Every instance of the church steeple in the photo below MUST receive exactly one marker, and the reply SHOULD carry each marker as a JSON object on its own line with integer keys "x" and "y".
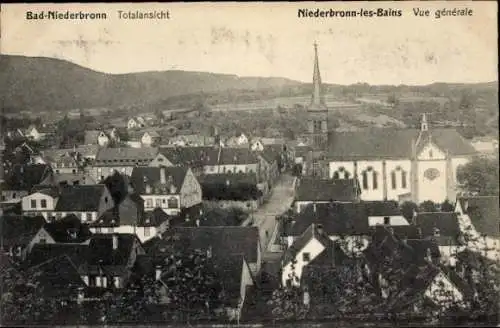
{"x": 317, "y": 100}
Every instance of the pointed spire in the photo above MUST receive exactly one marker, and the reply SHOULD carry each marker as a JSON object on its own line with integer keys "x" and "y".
{"x": 317, "y": 97}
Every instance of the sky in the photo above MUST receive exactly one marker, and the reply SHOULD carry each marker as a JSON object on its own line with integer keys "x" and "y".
{"x": 268, "y": 40}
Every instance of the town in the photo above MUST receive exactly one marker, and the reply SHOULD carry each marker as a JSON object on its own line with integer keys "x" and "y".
{"x": 127, "y": 224}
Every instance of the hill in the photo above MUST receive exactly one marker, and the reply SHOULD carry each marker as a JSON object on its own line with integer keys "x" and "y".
{"x": 37, "y": 83}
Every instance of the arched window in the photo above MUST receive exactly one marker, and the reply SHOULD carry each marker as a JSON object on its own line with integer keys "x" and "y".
{"x": 375, "y": 180}
{"x": 365, "y": 180}
{"x": 393, "y": 179}
{"x": 403, "y": 179}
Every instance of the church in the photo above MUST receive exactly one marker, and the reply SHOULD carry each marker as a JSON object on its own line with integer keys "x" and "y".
{"x": 390, "y": 164}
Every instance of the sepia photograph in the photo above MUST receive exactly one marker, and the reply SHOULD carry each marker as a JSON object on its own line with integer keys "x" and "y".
{"x": 259, "y": 164}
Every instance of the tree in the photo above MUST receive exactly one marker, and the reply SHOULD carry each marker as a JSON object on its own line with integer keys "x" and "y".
{"x": 479, "y": 176}
{"x": 408, "y": 209}
{"x": 392, "y": 100}
{"x": 446, "y": 206}
{"x": 427, "y": 206}
{"x": 117, "y": 187}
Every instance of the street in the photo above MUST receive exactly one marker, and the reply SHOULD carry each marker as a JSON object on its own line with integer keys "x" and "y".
{"x": 280, "y": 201}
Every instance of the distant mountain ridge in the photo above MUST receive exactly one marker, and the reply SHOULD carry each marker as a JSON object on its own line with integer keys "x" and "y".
{"x": 40, "y": 83}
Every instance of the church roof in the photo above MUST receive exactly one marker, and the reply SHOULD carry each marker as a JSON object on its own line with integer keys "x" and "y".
{"x": 390, "y": 143}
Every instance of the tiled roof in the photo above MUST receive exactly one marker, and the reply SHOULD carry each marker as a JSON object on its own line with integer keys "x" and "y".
{"x": 484, "y": 212}
{"x": 209, "y": 155}
{"x": 154, "y": 218}
{"x": 24, "y": 177}
{"x": 310, "y": 189}
{"x": 43, "y": 252}
{"x": 446, "y": 222}
{"x": 125, "y": 156}
{"x": 232, "y": 178}
{"x": 229, "y": 271}
{"x": 68, "y": 230}
{"x": 91, "y": 136}
{"x": 390, "y": 143}
{"x": 56, "y": 276}
{"x": 19, "y": 230}
{"x": 336, "y": 219}
{"x": 382, "y": 208}
{"x": 223, "y": 240}
{"x": 102, "y": 257}
{"x": 80, "y": 198}
{"x": 142, "y": 176}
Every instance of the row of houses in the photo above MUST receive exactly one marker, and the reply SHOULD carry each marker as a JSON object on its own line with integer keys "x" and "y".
{"x": 386, "y": 249}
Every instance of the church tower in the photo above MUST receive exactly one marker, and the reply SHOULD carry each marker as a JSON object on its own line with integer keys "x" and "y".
{"x": 317, "y": 112}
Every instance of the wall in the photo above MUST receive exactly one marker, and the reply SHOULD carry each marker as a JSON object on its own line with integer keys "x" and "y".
{"x": 390, "y": 166}
{"x": 448, "y": 286}
{"x": 160, "y": 160}
{"x": 190, "y": 191}
{"x": 41, "y": 234}
{"x": 138, "y": 231}
{"x": 334, "y": 166}
{"x": 245, "y": 168}
{"x": 102, "y": 172}
{"x": 393, "y": 220}
{"x": 163, "y": 202}
{"x": 301, "y": 205}
{"x": 8, "y": 195}
{"x": 436, "y": 189}
{"x": 243, "y": 205}
{"x": 26, "y": 202}
{"x": 371, "y": 193}
{"x": 105, "y": 203}
{"x": 314, "y": 247}
{"x": 246, "y": 280}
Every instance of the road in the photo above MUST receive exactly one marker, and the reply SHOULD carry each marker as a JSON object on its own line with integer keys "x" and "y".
{"x": 265, "y": 216}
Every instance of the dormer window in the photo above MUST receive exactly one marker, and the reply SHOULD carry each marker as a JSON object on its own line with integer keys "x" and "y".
{"x": 436, "y": 232}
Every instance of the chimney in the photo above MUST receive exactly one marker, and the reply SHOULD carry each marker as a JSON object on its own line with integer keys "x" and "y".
{"x": 157, "y": 273}
{"x": 209, "y": 252}
{"x": 115, "y": 242}
{"x": 319, "y": 229}
{"x": 163, "y": 179}
{"x": 314, "y": 207}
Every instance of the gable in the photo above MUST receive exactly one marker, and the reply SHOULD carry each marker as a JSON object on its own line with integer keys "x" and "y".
{"x": 190, "y": 182}
{"x": 161, "y": 160}
{"x": 431, "y": 152}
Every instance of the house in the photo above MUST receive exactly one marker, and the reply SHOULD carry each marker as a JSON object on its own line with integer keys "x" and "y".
{"x": 58, "y": 277}
{"x": 269, "y": 166}
{"x": 96, "y": 137}
{"x": 191, "y": 140}
{"x": 231, "y": 190}
{"x": 479, "y": 218}
{"x": 22, "y": 178}
{"x": 106, "y": 262}
{"x": 406, "y": 274}
{"x": 391, "y": 163}
{"x": 122, "y": 160}
{"x": 444, "y": 228}
{"x": 387, "y": 213}
{"x": 37, "y": 134}
{"x": 485, "y": 145}
{"x": 320, "y": 191}
{"x": 170, "y": 188}
{"x": 257, "y": 145}
{"x": 87, "y": 202}
{"x": 110, "y": 260}
{"x": 149, "y": 138}
{"x": 69, "y": 179}
{"x": 68, "y": 230}
{"x": 238, "y": 140}
{"x": 305, "y": 248}
{"x": 221, "y": 241}
{"x": 66, "y": 163}
{"x": 17, "y": 232}
{"x": 136, "y": 122}
{"x": 129, "y": 217}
